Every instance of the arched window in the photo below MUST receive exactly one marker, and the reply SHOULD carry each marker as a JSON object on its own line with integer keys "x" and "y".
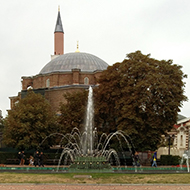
{"x": 86, "y": 80}
{"x": 29, "y": 87}
{"x": 47, "y": 83}
{"x": 16, "y": 102}
{"x": 181, "y": 140}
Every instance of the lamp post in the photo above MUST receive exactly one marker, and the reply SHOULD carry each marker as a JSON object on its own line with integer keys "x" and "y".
{"x": 169, "y": 145}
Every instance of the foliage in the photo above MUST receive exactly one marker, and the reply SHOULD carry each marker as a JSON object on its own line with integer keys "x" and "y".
{"x": 12, "y": 157}
{"x": 166, "y": 141}
{"x": 1, "y": 123}
{"x": 73, "y": 111}
{"x": 29, "y": 122}
{"x": 169, "y": 160}
{"x": 140, "y": 96}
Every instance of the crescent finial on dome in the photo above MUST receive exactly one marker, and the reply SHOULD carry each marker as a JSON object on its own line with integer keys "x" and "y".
{"x": 77, "y": 51}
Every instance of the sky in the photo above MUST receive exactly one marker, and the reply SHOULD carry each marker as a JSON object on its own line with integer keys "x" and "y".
{"x": 109, "y": 29}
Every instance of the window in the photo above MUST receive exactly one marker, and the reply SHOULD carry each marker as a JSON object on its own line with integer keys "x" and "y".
{"x": 47, "y": 83}
{"x": 29, "y": 87}
{"x": 86, "y": 80}
{"x": 181, "y": 140}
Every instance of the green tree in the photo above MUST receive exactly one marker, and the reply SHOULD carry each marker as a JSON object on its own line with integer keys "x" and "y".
{"x": 141, "y": 96}
{"x": 1, "y": 123}
{"x": 73, "y": 111}
{"x": 1, "y": 129}
{"x": 29, "y": 122}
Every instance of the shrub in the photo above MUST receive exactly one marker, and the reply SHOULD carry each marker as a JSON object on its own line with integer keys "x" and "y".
{"x": 169, "y": 160}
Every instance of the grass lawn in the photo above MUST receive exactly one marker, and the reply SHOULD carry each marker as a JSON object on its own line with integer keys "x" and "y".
{"x": 96, "y": 178}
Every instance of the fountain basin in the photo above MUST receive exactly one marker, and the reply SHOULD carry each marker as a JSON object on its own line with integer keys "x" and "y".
{"x": 90, "y": 164}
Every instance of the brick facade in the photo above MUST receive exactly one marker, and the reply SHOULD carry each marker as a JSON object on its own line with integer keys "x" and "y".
{"x": 55, "y": 96}
{"x": 60, "y": 79}
{"x": 58, "y": 43}
{"x": 57, "y": 84}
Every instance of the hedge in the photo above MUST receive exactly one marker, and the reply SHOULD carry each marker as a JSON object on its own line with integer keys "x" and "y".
{"x": 12, "y": 157}
{"x": 169, "y": 160}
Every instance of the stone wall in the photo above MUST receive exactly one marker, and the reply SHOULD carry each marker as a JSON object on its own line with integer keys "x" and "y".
{"x": 173, "y": 151}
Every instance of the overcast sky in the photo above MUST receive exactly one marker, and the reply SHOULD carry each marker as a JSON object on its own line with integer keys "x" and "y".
{"x": 109, "y": 29}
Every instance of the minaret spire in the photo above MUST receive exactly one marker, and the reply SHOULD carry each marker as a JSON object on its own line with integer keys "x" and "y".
{"x": 58, "y": 36}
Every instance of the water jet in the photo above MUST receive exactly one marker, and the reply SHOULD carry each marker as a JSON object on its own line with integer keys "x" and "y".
{"x": 84, "y": 151}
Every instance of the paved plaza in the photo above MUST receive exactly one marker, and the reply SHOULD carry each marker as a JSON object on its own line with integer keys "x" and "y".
{"x": 90, "y": 187}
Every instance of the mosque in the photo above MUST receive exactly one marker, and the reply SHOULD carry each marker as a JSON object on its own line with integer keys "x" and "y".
{"x": 75, "y": 71}
{"x": 64, "y": 73}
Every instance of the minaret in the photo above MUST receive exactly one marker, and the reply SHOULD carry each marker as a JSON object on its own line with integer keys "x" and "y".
{"x": 58, "y": 36}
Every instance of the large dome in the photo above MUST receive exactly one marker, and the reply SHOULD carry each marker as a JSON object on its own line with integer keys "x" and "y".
{"x": 69, "y": 61}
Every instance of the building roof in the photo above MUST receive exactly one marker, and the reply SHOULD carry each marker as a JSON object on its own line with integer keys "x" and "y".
{"x": 180, "y": 117}
{"x": 67, "y": 62}
{"x": 58, "y": 26}
{"x": 187, "y": 119}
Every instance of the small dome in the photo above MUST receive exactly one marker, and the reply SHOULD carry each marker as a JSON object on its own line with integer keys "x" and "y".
{"x": 69, "y": 61}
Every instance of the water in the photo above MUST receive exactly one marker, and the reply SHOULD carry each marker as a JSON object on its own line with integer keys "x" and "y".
{"x": 88, "y": 132}
{"x": 85, "y": 151}
{"x": 186, "y": 157}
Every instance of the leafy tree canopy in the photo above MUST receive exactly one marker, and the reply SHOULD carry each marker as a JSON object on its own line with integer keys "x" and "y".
{"x": 1, "y": 128}
{"x": 140, "y": 96}
{"x": 29, "y": 122}
{"x": 1, "y": 122}
{"x": 73, "y": 111}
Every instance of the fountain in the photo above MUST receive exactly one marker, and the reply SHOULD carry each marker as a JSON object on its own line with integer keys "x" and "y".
{"x": 186, "y": 157}
{"x": 83, "y": 151}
